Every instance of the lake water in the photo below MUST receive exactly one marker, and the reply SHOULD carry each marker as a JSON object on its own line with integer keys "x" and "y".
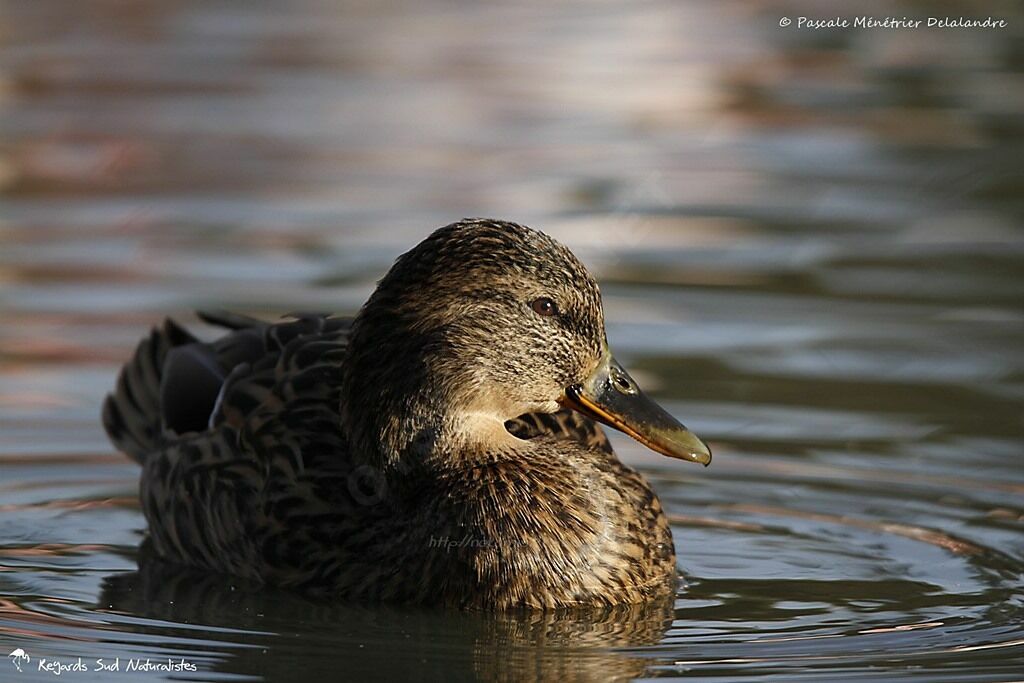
{"x": 810, "y": 248}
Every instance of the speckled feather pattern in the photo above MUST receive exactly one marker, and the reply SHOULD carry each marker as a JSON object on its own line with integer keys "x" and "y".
{"x": 329, "y": 462}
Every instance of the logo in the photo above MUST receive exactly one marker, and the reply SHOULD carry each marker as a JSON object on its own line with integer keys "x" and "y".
{"x": 19, "y": 657}
{"x": 58, "y": 667}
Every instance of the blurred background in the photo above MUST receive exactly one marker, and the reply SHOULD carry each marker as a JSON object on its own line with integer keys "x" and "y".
{"x": 809, "y": 242}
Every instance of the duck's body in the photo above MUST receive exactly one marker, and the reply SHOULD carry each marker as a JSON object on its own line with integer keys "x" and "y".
{"x": 346, "y": 457}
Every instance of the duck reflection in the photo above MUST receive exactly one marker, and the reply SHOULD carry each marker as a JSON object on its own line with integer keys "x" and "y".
{"x": 288, "y": 635}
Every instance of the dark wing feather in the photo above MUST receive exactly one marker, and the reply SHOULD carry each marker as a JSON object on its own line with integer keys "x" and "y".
{"x": 176, "y": 384}
{"x": 132, "y": 413}
{"x": 239, "y": 496}
{"x": 204, "y": 383}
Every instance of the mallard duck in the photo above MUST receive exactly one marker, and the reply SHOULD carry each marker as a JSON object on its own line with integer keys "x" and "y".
{"x": 441, "y": 447}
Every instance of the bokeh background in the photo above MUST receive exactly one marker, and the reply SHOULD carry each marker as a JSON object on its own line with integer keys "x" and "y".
{"x": 809, "y": 241}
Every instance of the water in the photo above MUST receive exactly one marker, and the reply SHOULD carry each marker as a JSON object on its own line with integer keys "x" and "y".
{"x": 811, "y": 251}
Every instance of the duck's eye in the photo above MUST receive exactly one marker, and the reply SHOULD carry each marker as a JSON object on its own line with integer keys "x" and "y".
{"x": 544, "y": 306}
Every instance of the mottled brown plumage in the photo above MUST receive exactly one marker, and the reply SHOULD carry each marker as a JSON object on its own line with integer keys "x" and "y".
{"x": 418, "y": 453}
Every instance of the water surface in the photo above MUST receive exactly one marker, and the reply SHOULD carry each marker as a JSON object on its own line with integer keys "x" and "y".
{"x": 809, "y": 245}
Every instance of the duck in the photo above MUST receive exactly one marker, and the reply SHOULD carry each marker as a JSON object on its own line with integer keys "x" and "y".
{"x": 441, "y": 447}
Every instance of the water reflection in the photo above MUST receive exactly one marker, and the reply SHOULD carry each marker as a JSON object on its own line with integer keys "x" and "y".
{"x": 285, "y": 634}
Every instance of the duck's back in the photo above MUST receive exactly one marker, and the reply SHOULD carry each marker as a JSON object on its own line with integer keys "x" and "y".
{"x": 177, "y": 385}
{"x": 239, "y": 441}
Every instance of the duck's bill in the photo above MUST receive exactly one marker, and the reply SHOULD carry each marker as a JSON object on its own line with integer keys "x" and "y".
{"x": 612, "y": 397}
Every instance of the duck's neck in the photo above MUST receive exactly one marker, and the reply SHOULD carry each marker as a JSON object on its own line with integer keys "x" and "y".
{"x": 403, "y": 407}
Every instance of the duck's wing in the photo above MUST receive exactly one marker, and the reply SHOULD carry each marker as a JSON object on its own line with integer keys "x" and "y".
{"x": 176, "y": 385}
{"x": 240, "y": 441}
{"x": 565, "y": 424}
{"x": 132, "y": 414}
{"x": 263, "y": 366}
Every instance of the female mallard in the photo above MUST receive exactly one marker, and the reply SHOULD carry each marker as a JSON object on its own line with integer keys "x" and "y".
{"x": 424, "y": 451}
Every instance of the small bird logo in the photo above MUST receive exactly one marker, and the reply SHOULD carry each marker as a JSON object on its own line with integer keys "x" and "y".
{"x": 19, "y": 657}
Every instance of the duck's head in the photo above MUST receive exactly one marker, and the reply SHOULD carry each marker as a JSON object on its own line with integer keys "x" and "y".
{"x": 481, "y": 322}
